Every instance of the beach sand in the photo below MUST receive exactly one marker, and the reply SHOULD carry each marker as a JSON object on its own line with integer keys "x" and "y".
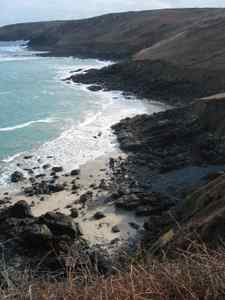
{"x": 94, "y": 177}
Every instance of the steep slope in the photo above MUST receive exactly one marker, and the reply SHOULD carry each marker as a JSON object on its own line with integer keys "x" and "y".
{"x": 109, "y": 36}
{"x": 202, "y": 46}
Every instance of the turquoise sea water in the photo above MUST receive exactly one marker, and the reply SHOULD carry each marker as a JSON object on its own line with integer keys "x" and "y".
{"x": 44, "y": 116}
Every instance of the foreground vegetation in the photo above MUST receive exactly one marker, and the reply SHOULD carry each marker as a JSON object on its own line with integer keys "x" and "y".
{"x": 189, "y": 275}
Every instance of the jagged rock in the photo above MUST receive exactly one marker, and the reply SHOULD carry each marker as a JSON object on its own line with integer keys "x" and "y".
{"x": 43, "y": 188}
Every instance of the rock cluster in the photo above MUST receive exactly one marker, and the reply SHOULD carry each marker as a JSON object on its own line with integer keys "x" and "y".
{"x": 29, "y": 239}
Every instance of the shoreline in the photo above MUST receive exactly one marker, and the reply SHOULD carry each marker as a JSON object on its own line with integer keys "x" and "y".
{"x": 85, "y": 195}
{"x": 111, "y": 98}
{"x": 121, "y": 202}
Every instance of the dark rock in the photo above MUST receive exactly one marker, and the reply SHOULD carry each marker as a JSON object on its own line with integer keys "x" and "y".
{"x": 128, "y": 202}
{"x": 40, "y": 176}
{"x": 95, "y": 88}
{"x": 55, "y": 188}
{"x": 37, "y": 235}
{"x": 86, "y": 197}
{"x": 214, "y": 175}
{"x": 115, "y": 229}
{"x": 60, "y": 224}
{"x": 29, "y": 171}
{"x": 74, "y": 187}
{"x": 57, "y": 169}
{"x": 143, "y": 211}
{"x": 99, "y": 215}
{"x": 103, "y": 185}
{"x": 75, "y": 172}
{"x": 74, "y": 213}
{"x": 134, "y": 225}
{"x": 46, "y": 166}
{"x": 20, "y": 210}
{"x": 28, "y": 157}
{"x": 115, "y": 241}
{"x": 77, "y": 70}
{"x": 17, "y": 177}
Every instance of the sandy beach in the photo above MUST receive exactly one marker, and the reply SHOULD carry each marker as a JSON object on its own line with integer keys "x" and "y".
{"x": 93, "y": 184}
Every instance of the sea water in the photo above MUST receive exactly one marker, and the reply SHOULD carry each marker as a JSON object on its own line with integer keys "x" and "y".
{"x": 53, "y": 121}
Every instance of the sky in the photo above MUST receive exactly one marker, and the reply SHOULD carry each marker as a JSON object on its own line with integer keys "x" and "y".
{"x": 17, "y": 11}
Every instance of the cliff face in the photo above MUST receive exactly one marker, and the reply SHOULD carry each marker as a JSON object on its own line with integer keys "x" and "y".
{"x": 110, "y": 36}
{"x": 211, "y": 111}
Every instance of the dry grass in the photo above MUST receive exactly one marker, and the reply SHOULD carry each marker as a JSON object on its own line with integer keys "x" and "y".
{"x": 199, "y": 275}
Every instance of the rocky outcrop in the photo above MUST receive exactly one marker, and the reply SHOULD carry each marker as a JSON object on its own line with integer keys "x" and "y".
{"x": 30, "y": 240}
{"x": 156, "y": 80}
{"x": 43, "y": 188}
{"x": 170, "y": 154}
{"x": 199, "y": 220}
{"x": 211, "y": 111}
{"x": 16, "y": 177}
{"x": 170, "y": 140}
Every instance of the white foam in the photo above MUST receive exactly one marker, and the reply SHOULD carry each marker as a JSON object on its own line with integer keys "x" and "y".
{"x": 27, "y": 124}
{"x": 12, "y": 158}
{"x": 81, "y": 142}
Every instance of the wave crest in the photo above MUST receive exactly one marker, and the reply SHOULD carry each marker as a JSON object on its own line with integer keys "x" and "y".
{"x": 24, "y": 125}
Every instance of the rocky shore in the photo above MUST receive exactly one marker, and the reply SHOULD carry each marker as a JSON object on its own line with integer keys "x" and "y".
{"x": 124, "y": 200}
{"x": 156, "y": 80}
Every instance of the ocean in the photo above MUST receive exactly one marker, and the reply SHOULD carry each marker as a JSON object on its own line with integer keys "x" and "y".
{"x": 53, "y": 121}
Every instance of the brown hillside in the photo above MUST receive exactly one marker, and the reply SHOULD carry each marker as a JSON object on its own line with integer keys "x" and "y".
{"x": 110, "y": 36}
{"x": 201, "y": 45}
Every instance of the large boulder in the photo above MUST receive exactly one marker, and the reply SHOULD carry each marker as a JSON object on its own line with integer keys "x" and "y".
{"x": 37, "y": 236}
{"x": 20, "y": 210}
{"x": 60, "y": 224}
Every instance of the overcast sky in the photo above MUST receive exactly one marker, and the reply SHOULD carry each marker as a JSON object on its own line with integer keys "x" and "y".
{"x": 14, "y": 11}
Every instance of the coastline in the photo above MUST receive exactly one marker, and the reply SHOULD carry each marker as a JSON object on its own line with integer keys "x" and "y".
{"x": 94, "y": 176}
{"x": 124, "y": 198}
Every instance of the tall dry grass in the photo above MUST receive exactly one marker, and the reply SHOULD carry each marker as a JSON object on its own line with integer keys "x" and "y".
{"x": 199, "y": 275}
